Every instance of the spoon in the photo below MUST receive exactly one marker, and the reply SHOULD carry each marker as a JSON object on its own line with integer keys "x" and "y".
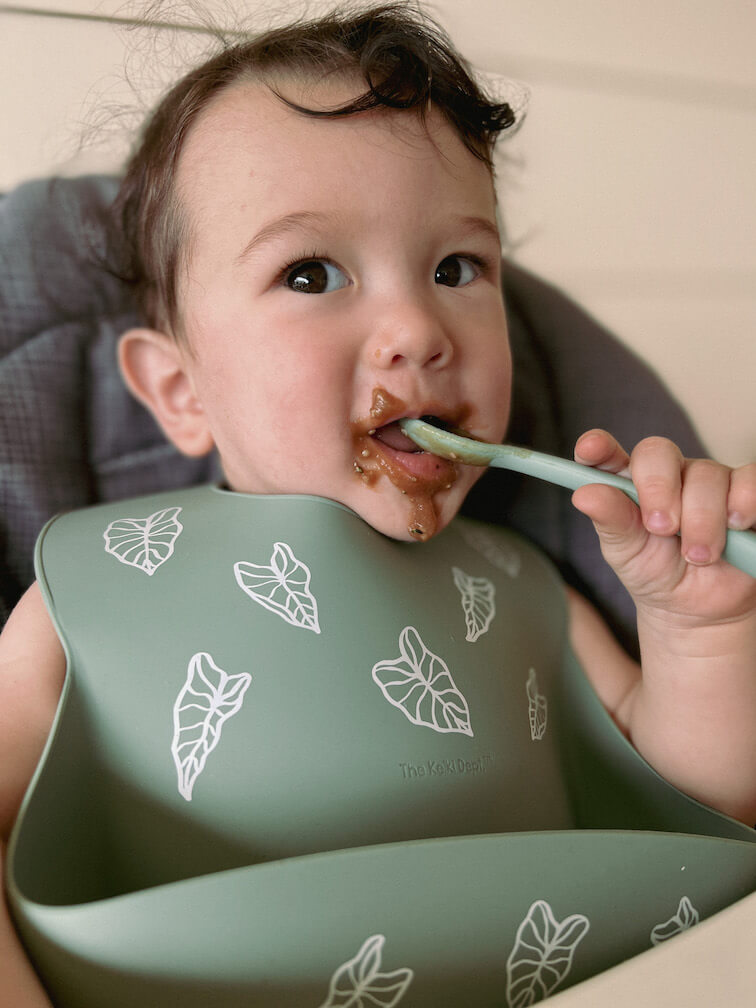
{"x": 740, "y": 546}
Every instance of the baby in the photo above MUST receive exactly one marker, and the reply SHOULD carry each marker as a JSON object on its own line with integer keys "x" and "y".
{"x": 312, "y": 227}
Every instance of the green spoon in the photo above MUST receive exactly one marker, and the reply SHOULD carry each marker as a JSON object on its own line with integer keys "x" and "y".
{"x": 740, "y": 547}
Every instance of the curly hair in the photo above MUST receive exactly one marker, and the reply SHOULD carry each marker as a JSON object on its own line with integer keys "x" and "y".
{"x": 406, "y": 61}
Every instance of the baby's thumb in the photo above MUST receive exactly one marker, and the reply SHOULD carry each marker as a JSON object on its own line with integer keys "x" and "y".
{"x": 617, "y": 521}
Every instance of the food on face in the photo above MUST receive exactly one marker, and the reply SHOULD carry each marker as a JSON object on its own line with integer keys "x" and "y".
{"x": 381, "y": 449}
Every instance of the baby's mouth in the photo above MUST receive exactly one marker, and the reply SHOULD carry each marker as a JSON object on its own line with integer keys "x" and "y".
{"x": 382, "y": 449}
{"x": 392, "y": 436}
{"x": 382, "y": 446}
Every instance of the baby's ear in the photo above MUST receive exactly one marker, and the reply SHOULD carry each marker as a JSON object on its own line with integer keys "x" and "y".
{"x": 155, "y": 369}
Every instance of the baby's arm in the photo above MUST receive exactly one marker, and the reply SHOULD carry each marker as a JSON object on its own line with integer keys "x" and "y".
{"x": 32, "y": 667}
{"x": 691, "y": 711}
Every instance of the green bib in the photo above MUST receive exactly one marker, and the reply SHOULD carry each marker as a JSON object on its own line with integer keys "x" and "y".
{"x": 298, "y": 763}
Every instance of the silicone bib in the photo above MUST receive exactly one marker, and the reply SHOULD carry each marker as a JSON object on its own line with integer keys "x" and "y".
{"x": 297, "y": 763}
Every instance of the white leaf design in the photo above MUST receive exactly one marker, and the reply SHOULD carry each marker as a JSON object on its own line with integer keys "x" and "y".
{"x": 542, "y": 954}
{"x": 477, "y": 602}
{"x": 499, "y": 555}
{"x": 145, "y": 543}
{"x": 283, "y": 586}
{"x": 208, "y": 698}
{"x": 359, "y": 984}
{"x": 538, "y": 708}
{"x": 685, "y": 918}
{"x": 420, "y": 685}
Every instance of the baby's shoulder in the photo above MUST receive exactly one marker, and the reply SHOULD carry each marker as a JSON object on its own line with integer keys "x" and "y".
{"x": 32, "y": 669}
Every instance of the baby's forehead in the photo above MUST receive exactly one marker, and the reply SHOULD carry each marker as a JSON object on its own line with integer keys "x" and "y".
{"x": 253, "y": 116}
{"x": 237, "y": 113}
{"x": 250, "y": 155}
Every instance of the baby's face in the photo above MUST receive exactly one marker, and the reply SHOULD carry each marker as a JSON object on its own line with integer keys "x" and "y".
{"x": 342, "y": 274}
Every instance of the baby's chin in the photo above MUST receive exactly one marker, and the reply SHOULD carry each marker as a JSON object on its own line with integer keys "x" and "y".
{"x": 382, "y": 505}
{"x": 393, "y": 514}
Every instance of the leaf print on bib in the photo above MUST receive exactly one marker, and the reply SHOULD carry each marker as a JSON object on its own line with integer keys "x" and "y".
{"x": 538, "y": 708}
{"x": 542, "y": 955}
{"x": 420, "y": 685}
{"x": 360, "y": 984}
{"x": 208, "y": 698}
{"x": 478, "y": 602}
{"x": 685, "y": 918}
{"x": 145, "y": 543}
{"x": 500, "y": 555}
{"x": 283, "y": 587}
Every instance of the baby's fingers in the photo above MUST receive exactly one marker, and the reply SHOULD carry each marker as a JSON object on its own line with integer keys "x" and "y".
{"x": 657, "y": 467}
{"x": 601, "y": 450}
{"x": 703, "y": 524}
{"x": 741, "y": 500}
{"x": 617, "y": 522}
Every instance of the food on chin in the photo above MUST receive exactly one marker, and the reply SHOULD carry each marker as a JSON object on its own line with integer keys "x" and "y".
{"x": 381, "y": 449}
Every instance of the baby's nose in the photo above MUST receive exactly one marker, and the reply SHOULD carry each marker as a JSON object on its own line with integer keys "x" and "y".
{"x": 415, "y": 337}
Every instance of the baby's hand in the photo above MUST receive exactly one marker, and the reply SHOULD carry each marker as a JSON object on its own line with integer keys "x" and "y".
{"x": 681, "y": 577}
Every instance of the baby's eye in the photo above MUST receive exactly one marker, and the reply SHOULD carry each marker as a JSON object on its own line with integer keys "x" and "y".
{"x": 456, "y": 271}
{"x": 315, "y": 276}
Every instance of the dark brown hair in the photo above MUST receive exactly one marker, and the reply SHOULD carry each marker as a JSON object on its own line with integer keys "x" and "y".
{"x": 406, "y": 61}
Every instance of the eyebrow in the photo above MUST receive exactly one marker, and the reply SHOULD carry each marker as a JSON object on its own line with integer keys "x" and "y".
{"x": 479, "y": 226}
{"x": 278, "y": 227}
{"x": 307, "y": 218}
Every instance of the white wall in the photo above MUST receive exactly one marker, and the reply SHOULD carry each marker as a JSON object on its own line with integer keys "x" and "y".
{"x": 630, "y": 186}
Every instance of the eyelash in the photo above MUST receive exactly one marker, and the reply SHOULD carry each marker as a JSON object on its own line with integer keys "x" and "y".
{"x": 298, "y": 260}
{"x": 481, "y": 263}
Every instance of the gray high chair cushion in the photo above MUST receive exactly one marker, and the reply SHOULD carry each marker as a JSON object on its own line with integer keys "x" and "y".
{"x": 71, "y": 435}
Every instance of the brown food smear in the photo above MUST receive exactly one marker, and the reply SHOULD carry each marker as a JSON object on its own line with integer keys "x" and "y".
{"x": 371, "y": 462}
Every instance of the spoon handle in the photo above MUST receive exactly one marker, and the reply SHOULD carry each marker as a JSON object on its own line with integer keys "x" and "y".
{"x": 562, "y": 472}
{"x": 740, "y": 546}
